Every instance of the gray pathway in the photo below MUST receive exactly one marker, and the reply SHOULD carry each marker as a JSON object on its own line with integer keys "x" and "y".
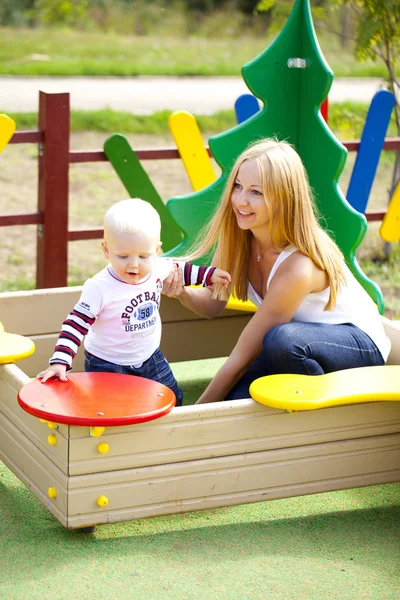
{"x": 146, "y": 95}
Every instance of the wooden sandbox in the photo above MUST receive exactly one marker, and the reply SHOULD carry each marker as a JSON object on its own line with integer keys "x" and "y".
{"x": 194, "y": 458}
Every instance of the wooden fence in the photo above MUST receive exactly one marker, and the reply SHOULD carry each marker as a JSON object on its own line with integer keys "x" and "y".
{"x": 51, "y": 217}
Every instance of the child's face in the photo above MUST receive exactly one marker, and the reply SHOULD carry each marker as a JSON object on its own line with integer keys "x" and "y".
{"x": 131, "y": 255}
{"x": 247, "y": 197}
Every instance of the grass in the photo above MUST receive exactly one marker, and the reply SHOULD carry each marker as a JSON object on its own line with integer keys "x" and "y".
{"x": 346, "y": 119}
{"x": 108, "y": 120}
{"x": 332, "y": 545}
{"x": 66, "y": 52}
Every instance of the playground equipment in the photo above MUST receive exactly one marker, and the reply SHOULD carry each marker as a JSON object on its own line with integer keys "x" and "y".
{"x": 390, "y": 228}
{"x": 7, "y": 128}
{"x": 292, "y": 89}
{"x": 208, "y": 455}
{"x": 187, "y": 136}
{"x": 300, "y": 392}
{"x": 14, "y": 347}
{"x": 194, "y": 457}
{"x": 371, "y": 144}
{"x": 138, "y": 184}
{"x": 247, "y": 105}
{"x": 85, "y": 400}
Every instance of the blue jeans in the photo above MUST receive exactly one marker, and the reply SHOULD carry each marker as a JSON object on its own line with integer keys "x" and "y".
{"x": 156, "y": 368}
{"x": 309, "y": 349}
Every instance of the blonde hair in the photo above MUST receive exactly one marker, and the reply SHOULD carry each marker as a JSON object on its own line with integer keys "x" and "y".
{"x": 292, "y": 220}
{"x": 133, "y": 216}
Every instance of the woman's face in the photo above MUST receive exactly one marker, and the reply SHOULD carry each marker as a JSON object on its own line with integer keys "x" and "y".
{"x": 247, "y": 197}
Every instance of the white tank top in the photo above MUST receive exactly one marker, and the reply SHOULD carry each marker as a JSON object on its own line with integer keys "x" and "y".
{"x": 353, "y": 305}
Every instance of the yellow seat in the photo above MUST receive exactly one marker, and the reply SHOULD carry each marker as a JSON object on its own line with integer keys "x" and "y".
{"x": 14, "y": 347}
{"x": 235, "y": 304}
{"x": 305, "y": 392}
{"x": 7, "y": 128}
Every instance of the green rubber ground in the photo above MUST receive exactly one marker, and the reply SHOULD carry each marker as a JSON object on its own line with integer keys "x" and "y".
{"x": 341, "y": 545}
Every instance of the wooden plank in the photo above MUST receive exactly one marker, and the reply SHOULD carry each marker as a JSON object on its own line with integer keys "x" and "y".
{"x": 44, "y": 348}
{"x": 51, "y": 306}
{"x": 21, "y": 219}
{"x": 192, "y": 433}
{"x": 52, "y": 240}
{"x": 94, "y": 233}
{"x": 84, "y": 156}
{"x": 11, "y": 379}
{"x": 27, "y": 137}
{"x": 33, "y": 468}
{"x": 194, "y": 337}
{"x": 224, "y": 481}
{"x": 392, "y": 330}
{"x": 299, "y": 458}
{"x": 201, "y": 338}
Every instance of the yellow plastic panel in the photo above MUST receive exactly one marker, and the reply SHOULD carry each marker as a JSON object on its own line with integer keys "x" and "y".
{"x": 13, "y": 347}
{"x": 235, "y": 304}
{"x": 306, "y": 392}
{"x": 7, "y": 128}
{"x": 196, "y": 161}
{"x": 390, "y": 228}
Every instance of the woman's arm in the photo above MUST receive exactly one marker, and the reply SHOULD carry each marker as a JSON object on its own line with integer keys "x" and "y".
{"x": 293, "y": 281}
{"x": 200, "y": 301}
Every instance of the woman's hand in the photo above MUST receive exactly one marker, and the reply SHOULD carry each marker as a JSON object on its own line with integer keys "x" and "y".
{"x": 173, "y": 284}
{"x": 57, "y": 371}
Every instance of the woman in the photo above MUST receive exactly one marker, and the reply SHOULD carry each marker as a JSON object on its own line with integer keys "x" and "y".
{"x": 313, "y": 316}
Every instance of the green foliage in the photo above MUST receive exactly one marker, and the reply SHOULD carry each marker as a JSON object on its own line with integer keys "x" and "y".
{"x": 279, "y": 11}
{"x": 15, "y": 12}
{"x": 62, "y": 12}
{"x": 248, "y": 7}
{"x": 378, "y": 28}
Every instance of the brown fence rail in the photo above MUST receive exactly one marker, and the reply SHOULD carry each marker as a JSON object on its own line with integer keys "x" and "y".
{"x": 53, "y": 137}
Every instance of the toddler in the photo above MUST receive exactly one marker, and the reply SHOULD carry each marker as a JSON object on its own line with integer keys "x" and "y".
{"x": 118, "y": 311}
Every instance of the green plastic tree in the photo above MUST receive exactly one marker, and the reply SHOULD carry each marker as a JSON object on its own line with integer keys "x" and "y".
{"x": 292, "y": 79}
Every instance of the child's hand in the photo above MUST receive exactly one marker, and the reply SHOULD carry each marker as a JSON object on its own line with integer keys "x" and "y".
{"x": 58, "y": 371}
{"x": 220, "y": 276}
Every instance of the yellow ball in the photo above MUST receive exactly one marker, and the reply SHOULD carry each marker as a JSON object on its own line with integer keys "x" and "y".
{"x": 52, "y": 439}
{"x": 96, "y": 431}
{"x": 102, "y": 501}
{"x": 51, "y": 425}
{"x": 52, "y": 492}
{"x": 103, "y": 448}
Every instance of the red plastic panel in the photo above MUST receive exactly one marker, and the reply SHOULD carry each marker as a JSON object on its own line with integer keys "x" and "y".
{"x": 97, "y": 399}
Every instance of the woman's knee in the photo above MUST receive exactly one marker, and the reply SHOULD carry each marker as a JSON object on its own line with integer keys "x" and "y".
{"x": 279, "y": 339}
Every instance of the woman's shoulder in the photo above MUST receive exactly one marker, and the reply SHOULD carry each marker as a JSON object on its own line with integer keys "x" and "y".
{"x": 300, "y": 267}
{"x": 297, "y": 261}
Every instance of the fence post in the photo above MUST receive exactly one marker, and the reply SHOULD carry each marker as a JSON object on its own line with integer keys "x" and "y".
{"x": 52, "y": 235}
